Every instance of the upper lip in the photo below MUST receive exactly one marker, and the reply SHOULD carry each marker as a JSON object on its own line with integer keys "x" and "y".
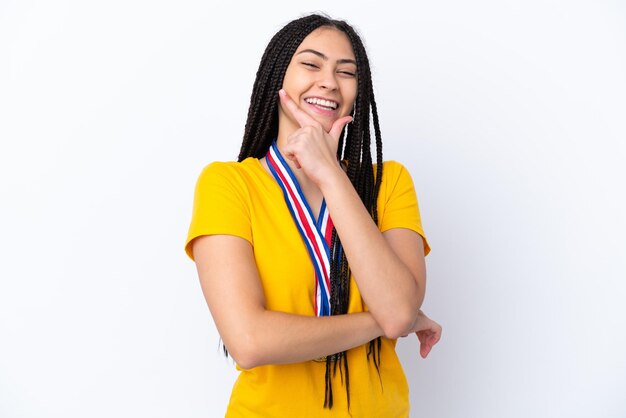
{"x": 323, "y": 98}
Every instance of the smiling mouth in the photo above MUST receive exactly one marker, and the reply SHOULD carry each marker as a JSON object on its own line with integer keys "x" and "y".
{"x": 322, "y": 103}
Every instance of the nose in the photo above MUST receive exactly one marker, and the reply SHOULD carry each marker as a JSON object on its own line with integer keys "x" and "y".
{"x": 327, "y": 80}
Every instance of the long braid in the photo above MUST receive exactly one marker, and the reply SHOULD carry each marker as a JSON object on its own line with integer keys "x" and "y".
{"x": 365, "y": 185}
{"x": 354, "y": 147}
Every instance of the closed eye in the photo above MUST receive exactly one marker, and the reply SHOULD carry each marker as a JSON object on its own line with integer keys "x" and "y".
{"x": 309, "y": 64}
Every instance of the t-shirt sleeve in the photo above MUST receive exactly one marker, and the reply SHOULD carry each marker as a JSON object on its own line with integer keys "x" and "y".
{"x": 397, "y": 202}
{"x": 220, "y": 205}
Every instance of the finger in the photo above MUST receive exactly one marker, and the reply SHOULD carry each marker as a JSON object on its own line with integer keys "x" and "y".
{"x": 291, "y": 156}
{"x": 298, "y": 114}
{"x": 424, "y": 350}
{"x": 435, "y": 338}
{"x": 338, "y": 125}
{"x": 425, "y": 347}
{"x": 420, "y": 336}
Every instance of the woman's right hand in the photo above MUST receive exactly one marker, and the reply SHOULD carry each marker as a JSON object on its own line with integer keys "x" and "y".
{"x": 427, "y": 331}
{"x": 311, "y": 148}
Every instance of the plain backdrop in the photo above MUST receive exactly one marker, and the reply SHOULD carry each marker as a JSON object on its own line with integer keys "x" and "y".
{"x": 510, "y": 115}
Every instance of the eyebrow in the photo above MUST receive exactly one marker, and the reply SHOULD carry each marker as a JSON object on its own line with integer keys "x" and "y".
{"x": 325, "y": 58}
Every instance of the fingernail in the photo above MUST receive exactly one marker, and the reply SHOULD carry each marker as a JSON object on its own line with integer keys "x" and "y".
{"x": 282, "y": 92}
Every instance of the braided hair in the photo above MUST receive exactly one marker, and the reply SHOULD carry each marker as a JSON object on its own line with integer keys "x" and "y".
{"x": 354, "y": 148}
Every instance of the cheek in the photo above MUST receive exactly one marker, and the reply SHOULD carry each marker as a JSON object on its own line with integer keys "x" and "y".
{"x": 288, "y": 80}
{"x": 352, "y": 96}
{"x": 350, "y": 104}
{"x": 293, "y": 89}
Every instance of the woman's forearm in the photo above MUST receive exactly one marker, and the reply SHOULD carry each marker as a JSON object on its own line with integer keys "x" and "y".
{"x": 387, "y": 275}
{"x": 386, "y": 284}
{"x": 280, "y": 338}
{"x": 255, "y": 335}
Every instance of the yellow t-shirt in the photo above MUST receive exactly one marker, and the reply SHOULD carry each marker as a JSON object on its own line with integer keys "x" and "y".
{"x": 244, "y": 200}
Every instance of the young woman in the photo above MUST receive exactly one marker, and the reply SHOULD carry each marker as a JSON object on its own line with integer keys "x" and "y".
{"x": 311, "y": 257}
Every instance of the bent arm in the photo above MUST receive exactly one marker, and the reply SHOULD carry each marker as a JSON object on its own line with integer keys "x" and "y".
{"x": 389, "y": 268}
{"x": 253, "y": 335}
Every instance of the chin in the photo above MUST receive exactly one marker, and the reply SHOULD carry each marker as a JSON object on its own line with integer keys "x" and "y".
{"x": 327, "y": 124}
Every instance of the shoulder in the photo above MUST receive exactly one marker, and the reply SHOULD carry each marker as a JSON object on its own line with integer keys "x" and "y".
{"x": 397, "y": 201}
{"x": 396, "y": 185}
{"x": 393, "y": 167}
{"x": 394, "y": 172}
{"x": 222, "y": 202}
{"x": 222, "y": 168}
{"x": 229, "y": 172}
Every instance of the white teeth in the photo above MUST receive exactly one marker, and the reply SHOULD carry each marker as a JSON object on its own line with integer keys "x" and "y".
{"x": 322, "y": 102}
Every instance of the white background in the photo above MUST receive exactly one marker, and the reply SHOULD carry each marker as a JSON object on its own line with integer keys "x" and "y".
{"x": 509, "y": 114}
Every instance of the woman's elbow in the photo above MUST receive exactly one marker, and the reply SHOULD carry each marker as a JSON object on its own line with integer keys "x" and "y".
{"x": 245, "y": 361}
{"x": 400, "y": 318}
{"x": 399, "y": 323}
{"x": 245, "y": 352}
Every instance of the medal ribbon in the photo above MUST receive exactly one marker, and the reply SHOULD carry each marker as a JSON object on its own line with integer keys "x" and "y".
{"x": 316, "y": 235}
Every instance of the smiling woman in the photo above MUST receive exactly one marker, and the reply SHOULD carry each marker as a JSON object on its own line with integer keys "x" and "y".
{"x": 310, "y": 256}
{"x": 321, "y": 79}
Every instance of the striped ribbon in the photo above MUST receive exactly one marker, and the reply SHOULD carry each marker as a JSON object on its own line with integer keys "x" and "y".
{"x": 316, "y": 235}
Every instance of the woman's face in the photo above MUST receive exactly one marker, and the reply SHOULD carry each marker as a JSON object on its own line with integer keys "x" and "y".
{"x": 321, "y": 78}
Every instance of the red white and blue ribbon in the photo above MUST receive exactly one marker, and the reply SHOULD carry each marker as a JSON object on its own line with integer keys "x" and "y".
{"x": 316, "y": 235}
